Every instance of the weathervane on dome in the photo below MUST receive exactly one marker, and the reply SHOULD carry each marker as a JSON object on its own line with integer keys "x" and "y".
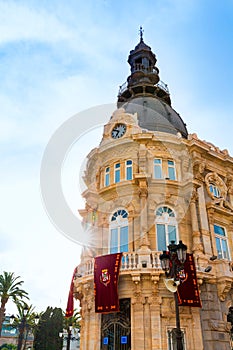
{"x": 141, "y": 31}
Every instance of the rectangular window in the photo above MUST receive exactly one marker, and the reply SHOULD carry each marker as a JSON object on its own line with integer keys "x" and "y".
{"x": 107, "y": 177}
{"x": 129, "y": 170}
{"x": 172, "y": 342}
{"x": 158, "y": 169}
{"x": 161, "y": 237}
{"x": 117, "y": 172}
{"x": 221, "y": 242}
{"x": 171, "y": 170}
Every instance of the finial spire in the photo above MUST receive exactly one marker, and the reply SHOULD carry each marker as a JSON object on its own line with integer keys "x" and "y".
{"x": 141, "y": 31}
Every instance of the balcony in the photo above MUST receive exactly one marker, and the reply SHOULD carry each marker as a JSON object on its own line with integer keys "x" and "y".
{"x": 131, "y": 261}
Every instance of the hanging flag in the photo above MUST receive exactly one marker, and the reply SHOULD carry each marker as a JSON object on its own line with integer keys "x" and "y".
{"x": 106, "y": 273}
{"x": 187, "y": 291}
{"x": 70, "y": 302}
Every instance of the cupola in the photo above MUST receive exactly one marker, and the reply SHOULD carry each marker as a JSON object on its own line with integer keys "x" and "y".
{"x": 145, "y": 94}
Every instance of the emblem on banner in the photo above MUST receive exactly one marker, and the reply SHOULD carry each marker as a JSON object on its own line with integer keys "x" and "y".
{"x": 182, "y": 275}
{"x": 105, "y": 277}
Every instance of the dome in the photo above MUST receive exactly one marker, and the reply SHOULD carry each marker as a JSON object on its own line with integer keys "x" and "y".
{"x": 156, "y": 115}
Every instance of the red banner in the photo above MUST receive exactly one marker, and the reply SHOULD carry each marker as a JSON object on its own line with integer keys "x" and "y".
{"x": 70, "y": 302}
{"x": 188, "y": 293}
{"x": 106, "y": 273}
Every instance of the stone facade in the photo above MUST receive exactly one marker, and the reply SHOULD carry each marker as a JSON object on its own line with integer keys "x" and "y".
{"x": 167, "y": 181}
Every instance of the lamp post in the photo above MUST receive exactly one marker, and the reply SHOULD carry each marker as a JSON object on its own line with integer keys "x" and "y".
{"x": 67, "y": 335}
{"x": 22, "y": 325}
{"x": 172, "y": 262}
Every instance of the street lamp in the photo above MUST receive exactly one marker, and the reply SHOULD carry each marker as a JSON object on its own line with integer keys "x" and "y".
{"x": 172, "y": 262}
{"x": 22, "y": 325}
{"x": 67, "y": 335}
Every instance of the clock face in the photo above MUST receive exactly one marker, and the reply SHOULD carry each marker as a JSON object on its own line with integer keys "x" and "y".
{"x": 118, "y": 131}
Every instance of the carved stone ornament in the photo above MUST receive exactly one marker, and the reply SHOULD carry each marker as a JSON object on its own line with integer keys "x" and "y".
{"x": 214, "y": 179}
{"x": 198, "y": 169}
{"x": 219, "y": 326}
{"x": 223, "y": 286}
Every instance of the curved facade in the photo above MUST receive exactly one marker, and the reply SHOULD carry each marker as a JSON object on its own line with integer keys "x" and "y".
{"x": 149, "y": 182}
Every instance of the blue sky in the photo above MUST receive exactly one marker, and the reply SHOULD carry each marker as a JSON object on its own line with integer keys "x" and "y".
{"x": 58, "y": 58}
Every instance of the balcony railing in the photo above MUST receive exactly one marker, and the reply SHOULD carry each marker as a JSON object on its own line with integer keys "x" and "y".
{"x": 130, "y": 261}
{"x": 160, "y": 84}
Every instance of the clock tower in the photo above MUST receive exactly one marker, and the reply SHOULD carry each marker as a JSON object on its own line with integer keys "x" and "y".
{"x": 149, "y": 183}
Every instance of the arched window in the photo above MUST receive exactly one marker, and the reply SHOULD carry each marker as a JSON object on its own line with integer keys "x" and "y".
{"x": 166, "y": 227}
{"x": 119, "y": 232}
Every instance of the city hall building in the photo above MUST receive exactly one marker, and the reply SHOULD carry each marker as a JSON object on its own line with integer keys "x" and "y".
{"x": 148, "y": 183}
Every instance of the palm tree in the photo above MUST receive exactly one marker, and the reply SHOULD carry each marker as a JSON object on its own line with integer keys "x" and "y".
{"x": 10, "y": 289}
{"x": 25, "y": 321}
{"x": 71, "y": 322}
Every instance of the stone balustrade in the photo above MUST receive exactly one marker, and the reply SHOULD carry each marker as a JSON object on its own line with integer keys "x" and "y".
{"x": 130, "y": 261}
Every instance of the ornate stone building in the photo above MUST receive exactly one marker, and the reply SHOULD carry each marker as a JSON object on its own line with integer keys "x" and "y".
{"x": 149, "y": 182}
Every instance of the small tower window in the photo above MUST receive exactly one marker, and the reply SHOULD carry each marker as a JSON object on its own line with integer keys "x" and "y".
{"x": 129, "y": 169}
{"x": 107, "y": 177}
{"x": 119, "y": 232}
{"x": 166, "y": 227}
{"x": 117, "y": 172}
{"x": 221, "y": 242}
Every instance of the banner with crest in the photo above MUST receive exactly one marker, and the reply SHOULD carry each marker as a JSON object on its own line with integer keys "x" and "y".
{"x": 106, "y": 273}
{"x": 187, "y": 292}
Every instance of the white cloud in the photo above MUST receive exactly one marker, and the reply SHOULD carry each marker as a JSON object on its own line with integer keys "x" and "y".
{"x": 20, "y": 22}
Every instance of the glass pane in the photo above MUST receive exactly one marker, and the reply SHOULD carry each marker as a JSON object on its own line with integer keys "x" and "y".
{"x": 117, "y": 176}
{"x": 219, "y": 230}
{"x": 107, "y": 180}
{"x": 157, "y": 169}
{"x": 171, "y": 233}
{"x": 124, "y": 239}
{"x": 129, "y": 162}
{"x": 171, "y": 173}
{"x": 129, "y": 173}
{"x": 218, "y": 246}
{"x": 161, "y": 237}
{"x": 225, "y": 249}
{"x": 157, "y": 172}
{"x": 114, "y": 241}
